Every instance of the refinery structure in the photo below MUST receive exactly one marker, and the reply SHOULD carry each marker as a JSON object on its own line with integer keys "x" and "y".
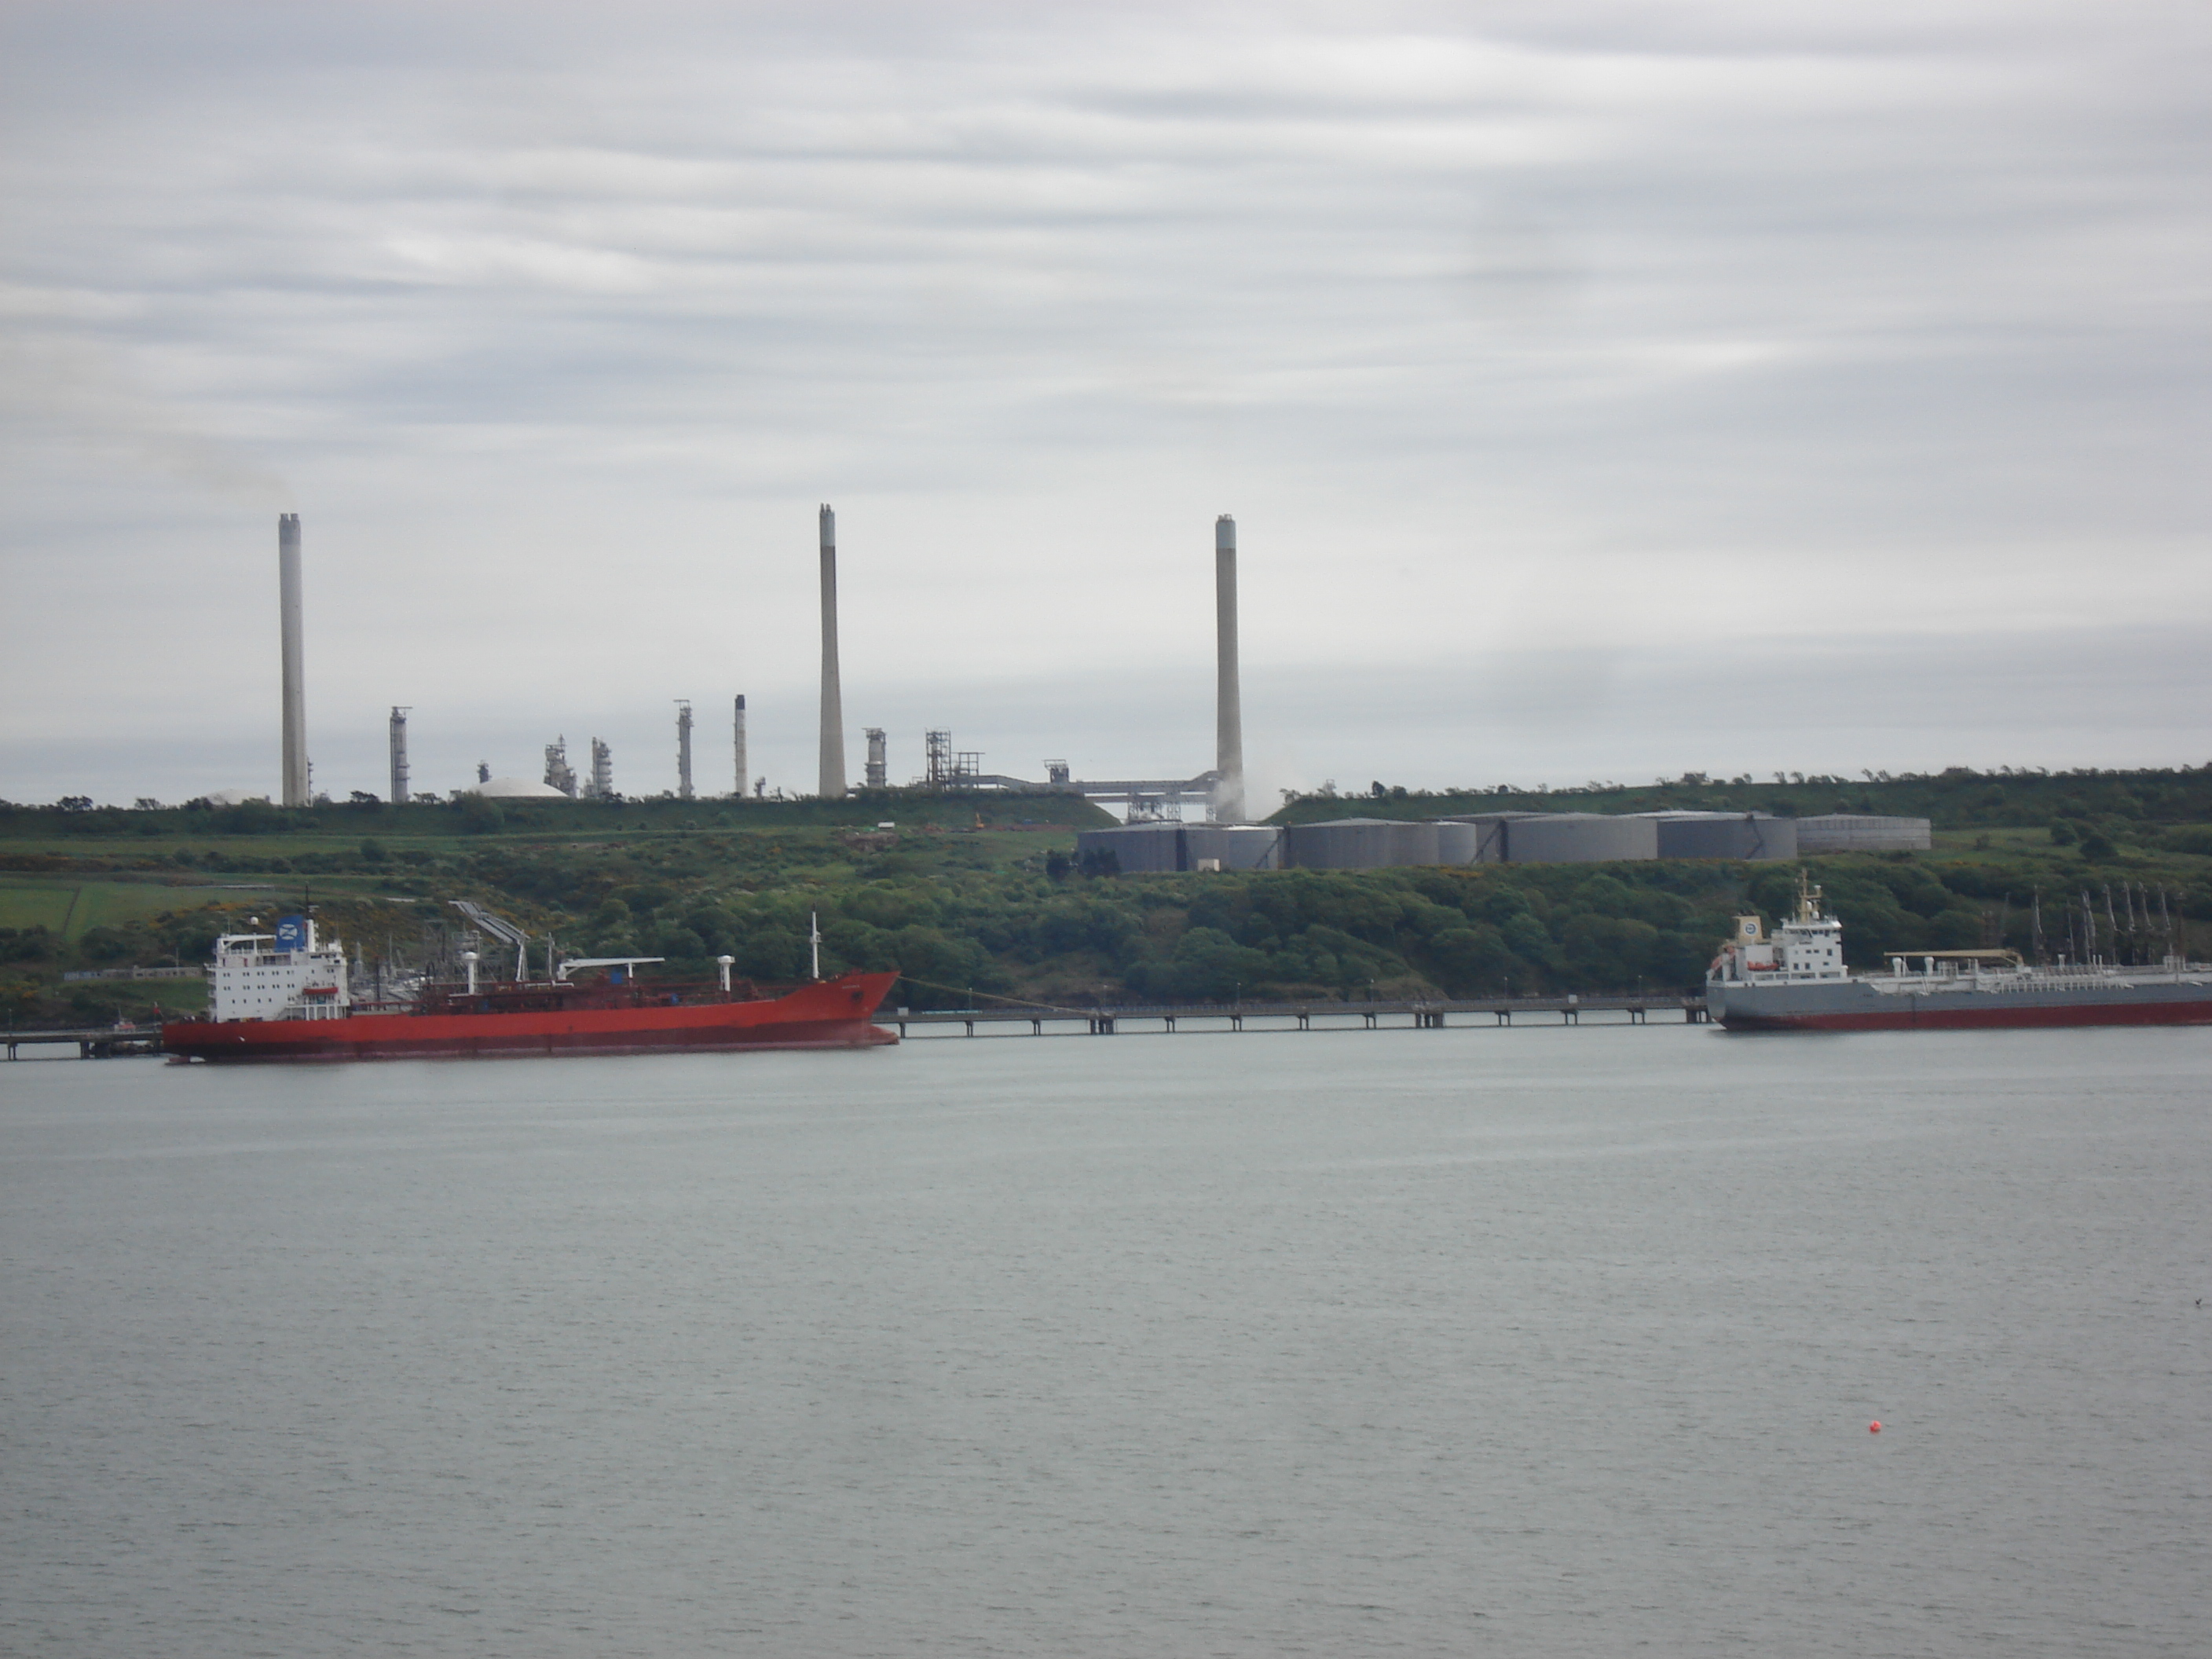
{"x": 1216, "y": 794}
{"x": 1172, "y": 824}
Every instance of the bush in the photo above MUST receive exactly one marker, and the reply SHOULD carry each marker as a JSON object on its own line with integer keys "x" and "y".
{"x": 773, "y": 953}
{"x": 27, "y": 944}
{"x": 1207, "y": 966}
{"x": 1472, "y": 960}
{"x": 104, "y": 945}
{"x": 1956, "y": 930}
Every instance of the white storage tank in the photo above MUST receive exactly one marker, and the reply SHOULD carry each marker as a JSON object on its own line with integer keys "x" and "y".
{"x": 511, "y": 789}
{"x": 1580, "y": 838}
{"x": 1458, "y": 844}
{"x": 1854, "y": 832}
{"x": 1724, "y": 834}
{"x": 1485, "y": 844}
{"x": 1360, "y": 844}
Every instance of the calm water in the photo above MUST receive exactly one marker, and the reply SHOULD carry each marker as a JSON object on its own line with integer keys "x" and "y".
{"x": 1529, "y": 1341}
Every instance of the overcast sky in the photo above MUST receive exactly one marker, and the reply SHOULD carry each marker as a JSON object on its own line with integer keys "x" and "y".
{"x": 1602, "y": 390}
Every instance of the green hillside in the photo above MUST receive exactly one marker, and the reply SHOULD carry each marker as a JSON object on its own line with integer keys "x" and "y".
{"x": 981, "y": 898}
{"x": 1957, "y": 798}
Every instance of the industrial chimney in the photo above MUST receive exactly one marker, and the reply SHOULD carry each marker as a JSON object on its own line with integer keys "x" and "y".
{"x": 1228, "y": 700}
{"x": 684, "y": 749}
{"x": 297, "y": 787}
{"x": 399, "y": 785}
{"x": 738, "y": 739}
{"x": 832, "y": 785}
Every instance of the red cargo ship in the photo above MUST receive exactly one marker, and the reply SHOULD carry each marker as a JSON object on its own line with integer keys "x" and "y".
{"x": 285, "y": 997}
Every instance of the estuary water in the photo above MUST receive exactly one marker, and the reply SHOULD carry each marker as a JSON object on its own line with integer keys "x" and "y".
{"x": 1527, "y": 1341}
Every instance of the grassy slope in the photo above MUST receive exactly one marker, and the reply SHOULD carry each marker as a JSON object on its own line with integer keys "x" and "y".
{"x": 70, "y": 908}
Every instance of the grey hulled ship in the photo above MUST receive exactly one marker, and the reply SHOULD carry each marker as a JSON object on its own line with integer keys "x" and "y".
{"x": 1795, "y": 980}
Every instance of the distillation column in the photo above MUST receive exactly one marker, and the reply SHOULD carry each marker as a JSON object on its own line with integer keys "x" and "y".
{"x": 1228, "y": 700}
{"x": 400, "y": 796}
{"x": 832, "y": 782}
{"x": 297, "y": 785}
{"x": 683, "y": 749}
{"x": 737, "y": 744}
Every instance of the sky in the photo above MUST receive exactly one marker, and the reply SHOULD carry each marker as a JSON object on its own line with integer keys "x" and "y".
{"x": 1604, "y": 390}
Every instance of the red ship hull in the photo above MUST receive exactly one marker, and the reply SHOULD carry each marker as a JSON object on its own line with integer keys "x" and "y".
{"x": 833, "y": 1014}
{"x": 2194, "y": 1013}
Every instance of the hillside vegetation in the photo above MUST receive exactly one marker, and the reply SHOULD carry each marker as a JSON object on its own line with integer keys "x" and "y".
{"x": 1958, "y": 799}
{"x": 973, "y": 900}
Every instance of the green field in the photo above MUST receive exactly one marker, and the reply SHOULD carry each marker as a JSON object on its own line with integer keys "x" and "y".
{"x": 68, "y": 908}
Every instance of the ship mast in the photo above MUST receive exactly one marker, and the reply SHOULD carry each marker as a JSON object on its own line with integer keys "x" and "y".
{"x": 1809, "y": 897}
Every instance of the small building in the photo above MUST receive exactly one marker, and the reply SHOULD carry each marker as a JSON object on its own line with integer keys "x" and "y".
{"x": 1854, "y": 832}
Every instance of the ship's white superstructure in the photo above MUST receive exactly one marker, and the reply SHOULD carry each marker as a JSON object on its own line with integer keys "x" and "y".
{"x": 1805, "y": 949}
{"x": 289, "y": 975}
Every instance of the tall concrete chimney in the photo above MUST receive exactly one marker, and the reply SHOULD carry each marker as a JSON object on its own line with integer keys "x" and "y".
{"x": 738, "y": 740}
{"x": 400, "y": 786}
{"x": 1228, "y": 700}
{"x": 297, "y": 787}
{"x": 832, "y": 784}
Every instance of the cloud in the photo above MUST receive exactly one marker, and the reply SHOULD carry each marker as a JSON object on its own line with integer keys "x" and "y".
{"x": 1552, "y": 335}
{"x": 61, "y": 394}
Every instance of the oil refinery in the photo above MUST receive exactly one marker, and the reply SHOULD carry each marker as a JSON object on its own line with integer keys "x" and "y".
{"x": 1196, "y": 823}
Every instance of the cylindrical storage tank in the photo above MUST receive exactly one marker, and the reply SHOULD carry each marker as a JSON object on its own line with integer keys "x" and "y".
{"x": 1236, "y": 846}
{"x": 1724, "y": 835}
{"x": 1360, "y": 844}
{"x": 1339, "y": 844}
{"x": 1415, "y": 843}
{"x": 1580, "y": 838}
{"x": 1138, "y": 849}
{"x": 1490, "y": 834}
{"x": 1459, "y": 843}
{"x": 1856, "y": 832}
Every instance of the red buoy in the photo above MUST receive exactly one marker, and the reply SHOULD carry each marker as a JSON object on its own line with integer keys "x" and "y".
{"x": 1874, "y": 1428}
